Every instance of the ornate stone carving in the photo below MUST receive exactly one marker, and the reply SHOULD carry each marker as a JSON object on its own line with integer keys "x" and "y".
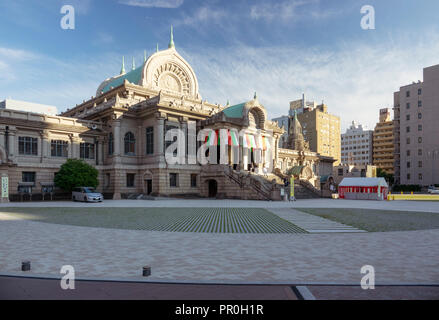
{"x": 170, "y": 76}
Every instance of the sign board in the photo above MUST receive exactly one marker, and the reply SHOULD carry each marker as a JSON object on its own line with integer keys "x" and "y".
{"x": 282, "y": 192}
{"x": 5, "y": 187}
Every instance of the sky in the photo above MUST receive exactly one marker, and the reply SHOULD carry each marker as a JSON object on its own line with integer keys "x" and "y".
{"x": 279, "y": 49}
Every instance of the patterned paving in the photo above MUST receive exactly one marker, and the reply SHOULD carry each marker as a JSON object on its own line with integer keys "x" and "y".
{"x": 206, "y": 220}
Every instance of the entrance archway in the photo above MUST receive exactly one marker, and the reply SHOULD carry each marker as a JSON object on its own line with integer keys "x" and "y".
{"x": 213, "y": 188}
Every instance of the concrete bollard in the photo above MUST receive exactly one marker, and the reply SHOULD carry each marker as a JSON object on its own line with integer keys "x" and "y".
{"x": 25, "y": 266}
{"x": 146, "y": 271}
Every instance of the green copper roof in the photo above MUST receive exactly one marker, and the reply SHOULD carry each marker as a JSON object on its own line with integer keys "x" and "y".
{"x": 296, "y": 170}
{"x": 234, "y": 111}
{"x": 133, "y": 76}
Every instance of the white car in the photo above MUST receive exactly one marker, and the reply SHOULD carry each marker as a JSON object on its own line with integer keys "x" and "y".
{"x": 433, "y": 190}
{"x": 87, "y": 194}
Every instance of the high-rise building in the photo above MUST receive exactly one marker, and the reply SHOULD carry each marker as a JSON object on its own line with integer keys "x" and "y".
{"x": 416, "y": 130}
{"x": 383, "y": 142}
{"x": 356, "y": 145}
{"x": 320, "y": 128}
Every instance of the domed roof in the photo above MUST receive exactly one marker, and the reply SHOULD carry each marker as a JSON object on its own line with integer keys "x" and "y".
{"x": 164, "y": 70}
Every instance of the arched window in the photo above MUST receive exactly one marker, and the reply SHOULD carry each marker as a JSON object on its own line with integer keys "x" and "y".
{"x": 130, "y": 143}
{"x": 110, "y": 144}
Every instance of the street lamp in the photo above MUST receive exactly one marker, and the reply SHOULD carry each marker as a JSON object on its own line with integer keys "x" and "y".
{"x": 434, "y": 154}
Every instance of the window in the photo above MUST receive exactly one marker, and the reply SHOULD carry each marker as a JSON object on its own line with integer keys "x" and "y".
{"x": 420, "y": 176}
{"x": 419, "y": 92}
{"x": 408, "y": 153}
{"x": 130, "y": 180}
{"x": 419, "y": 127}
{"x": 408, "y": 164}
{"x": 110, "y": 144}
{"x": 419, "y": 152}
{"x": 407, "y": 94}
{"x": 340, "y": 172}
{"x": 59, "y": 148}
{"x": 408, "y": 105}
{"x": 173, "y": 180}
{"x": 408, "y": 176}
{"x": 419, "y": 103}
{"x": 419, "y": 164}
{"x": 420, "y": 140}
{"x": 407, "y": 129}
{"x": 28, "y": 146}
{"x": 130, "y": 143}
{"x": 28, "y": 177}
{"x": 87, "y": 150}
{"x": 419, "y": 115}
{"x": 150, "y": 140}
{"x": 193, "y": 180}
{"x": 408, "y": 140}
{"x": 407, "y": 117}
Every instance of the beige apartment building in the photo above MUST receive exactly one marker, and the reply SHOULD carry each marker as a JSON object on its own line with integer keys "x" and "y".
{"x": 383, "y": 142}
{"x": 416, "y": 130}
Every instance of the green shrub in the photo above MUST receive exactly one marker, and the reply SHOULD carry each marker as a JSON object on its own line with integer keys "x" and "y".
{"x": 76, "y": 173}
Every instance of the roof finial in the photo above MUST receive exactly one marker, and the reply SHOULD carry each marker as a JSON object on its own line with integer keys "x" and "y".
{"x": 144, "y": 55}
{"x": 171, "y": 42}
{"x": 133, "y": 67}
{"x": 157, "y": 48}
{"x": 122, "y": 71}
{"x": 255, "y": 96}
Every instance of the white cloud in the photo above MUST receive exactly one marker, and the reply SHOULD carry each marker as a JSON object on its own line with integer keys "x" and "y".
{"x": 103, "y": 38}
{"x": 355, "y": 79}
{"x": 285, "y": 10}
{"x": 171, "y": 4}
{"x": 201, "y": 15}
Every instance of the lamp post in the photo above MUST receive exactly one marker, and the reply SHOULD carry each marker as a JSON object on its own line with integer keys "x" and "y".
{"x": 434, "y": 154}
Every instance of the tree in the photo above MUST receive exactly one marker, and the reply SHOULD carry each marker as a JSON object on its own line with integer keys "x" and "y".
{"x": 76, "y": 173}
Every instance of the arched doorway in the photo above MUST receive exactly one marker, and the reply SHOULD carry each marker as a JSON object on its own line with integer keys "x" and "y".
{"x": 213, "y": 188}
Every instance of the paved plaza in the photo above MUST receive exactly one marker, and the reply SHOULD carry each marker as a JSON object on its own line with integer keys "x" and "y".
{"x": 409, "y": 257}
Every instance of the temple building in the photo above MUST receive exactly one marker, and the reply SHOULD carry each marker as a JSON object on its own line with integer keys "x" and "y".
{"x": 123, "y": 133}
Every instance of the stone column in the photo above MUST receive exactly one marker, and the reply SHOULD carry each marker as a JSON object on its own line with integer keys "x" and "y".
{"x": 184, "y": 128}
{"x": 117, "y": 140}
{"x": 74, "y": 146}
{"x": 100, "y": 151}
{"x": 161, "y": 135}
{"x": 3, "y": 144}
{"x": 44, "y": 145}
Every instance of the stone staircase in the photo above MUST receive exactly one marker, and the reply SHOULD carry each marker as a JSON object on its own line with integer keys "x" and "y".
{"x": 301, "y": 192}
